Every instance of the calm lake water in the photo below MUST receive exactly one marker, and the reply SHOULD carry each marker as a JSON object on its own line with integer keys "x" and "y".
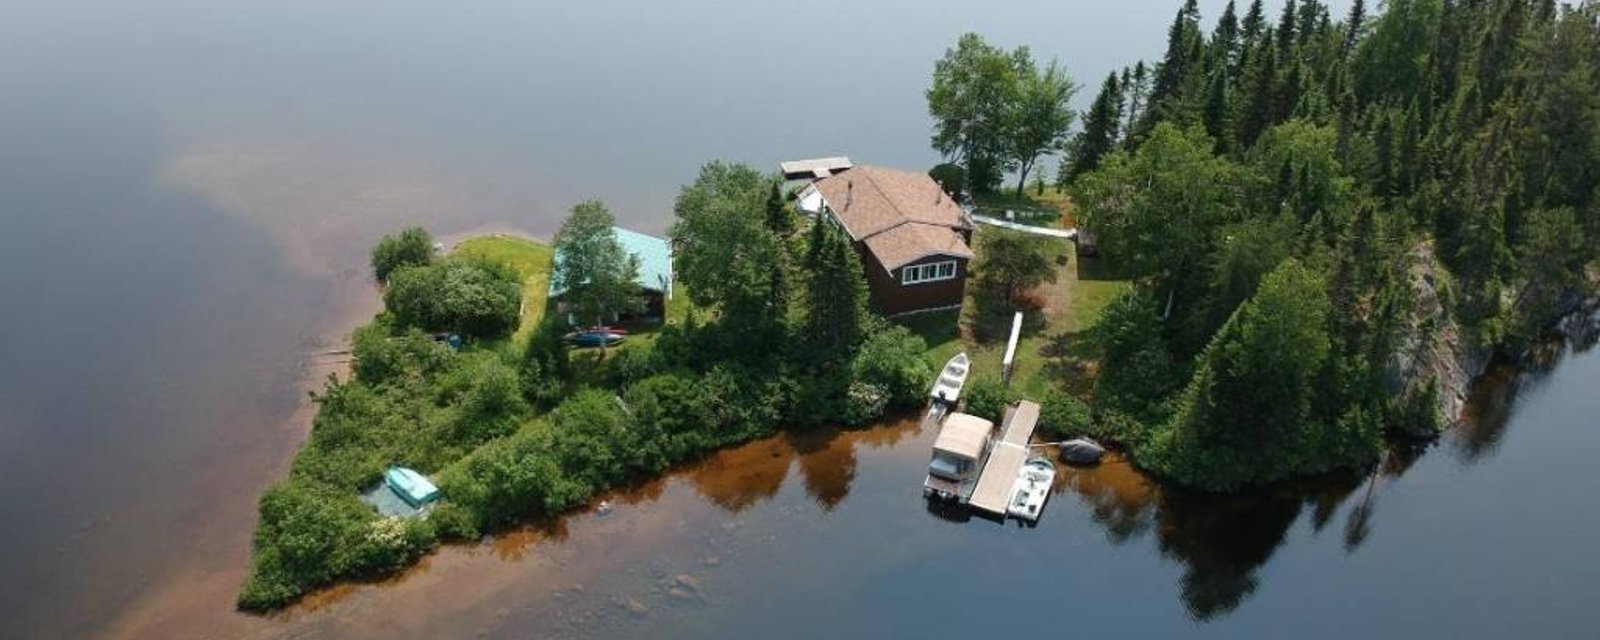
{"x": 189, "y": 189}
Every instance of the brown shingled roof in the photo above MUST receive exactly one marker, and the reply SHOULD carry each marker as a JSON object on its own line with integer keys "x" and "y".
{"x": 872, "y": 200}
{"x": 913, "y": 241}
{"x": 913, "y": 216}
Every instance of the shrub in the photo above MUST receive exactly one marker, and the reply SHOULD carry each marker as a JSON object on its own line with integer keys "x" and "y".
{"x": 987, "y": 397}
{"x": 473, "y": 298}
{"x": 891, "y": 359}
{"x": 863, "y": 402}
{"x": 630, "y": 365}
{"x": 672, "y": 411}
{"x": 487, "y": 398}
{"x": 382, "y": 356}
{"x": 410, "y": 248}
{"x": 1063, "y": 415}
{"x": 304, "y": 539}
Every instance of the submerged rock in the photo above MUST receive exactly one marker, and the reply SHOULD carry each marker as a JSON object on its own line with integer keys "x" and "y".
{"x": 686, "y": 587}
{"x": 635, "y": 608}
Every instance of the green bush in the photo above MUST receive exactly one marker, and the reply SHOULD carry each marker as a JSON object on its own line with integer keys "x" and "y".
{"x": 630, "y": 365}
{"x": 986, "y": 397}
{"x": 891, "y": 359}
{"x": 305, "y": 538}
{"x": 381, "y": 355}
{"x": 863, "y": 403}
{"x": 473, "y": 298}
{"x": 411, "y": 247}
{"x": 1063, "y": 415}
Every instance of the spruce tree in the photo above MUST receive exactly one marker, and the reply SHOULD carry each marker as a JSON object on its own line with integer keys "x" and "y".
{"x": 1285, "y": 34}
{"x": 1253, "y": 25}
{"x": 1258, "y": 111}
{"x": 1352, "y": 28}
{"x": 779, "y": 219}
{"x": 1174, "y": 72}
{"x": 1225, "y": 42}
{"x": 836, "y": 299}
{"x": 1100, "y": 128}
{"x": 1217, "y": 119}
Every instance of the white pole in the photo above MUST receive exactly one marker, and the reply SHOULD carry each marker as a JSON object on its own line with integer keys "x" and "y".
{"x": 1011, "y": 348}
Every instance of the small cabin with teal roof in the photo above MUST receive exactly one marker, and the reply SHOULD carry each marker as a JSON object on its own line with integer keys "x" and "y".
{"x": 655, "y": 271}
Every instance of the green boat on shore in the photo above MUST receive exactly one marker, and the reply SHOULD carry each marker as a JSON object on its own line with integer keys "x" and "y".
{"x": 412, "y": 487}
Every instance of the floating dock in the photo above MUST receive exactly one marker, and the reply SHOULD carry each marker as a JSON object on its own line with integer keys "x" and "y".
{"x": 1005, "y": 459}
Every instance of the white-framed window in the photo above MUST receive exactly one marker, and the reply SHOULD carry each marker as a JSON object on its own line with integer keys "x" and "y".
{"x": 928, "y": 272}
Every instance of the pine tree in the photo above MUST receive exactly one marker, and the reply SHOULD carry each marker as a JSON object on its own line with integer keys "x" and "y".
{"x": 1100, "y": 129}
{"x": 1352, "y": 28}
{"x": 1225, "y": 42}
{"x": 1174, "y": 72}
{"x": 1217, "y": 119}
{"x": 836, "y": 298}
{"x": 1285, "y": 34}
{"x": 1253, "y": 25}
{"x": 1259, "y": 106}
{"x": 1136, "y": 88}
{"x": 779, "y": 219}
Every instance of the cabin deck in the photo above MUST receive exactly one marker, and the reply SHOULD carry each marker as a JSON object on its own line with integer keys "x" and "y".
{"x": 1005, "y": 460}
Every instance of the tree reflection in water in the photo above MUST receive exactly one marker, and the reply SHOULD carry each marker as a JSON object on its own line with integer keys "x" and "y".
{"x": 1219, "y": 539}
{"x": 738, "y": 478}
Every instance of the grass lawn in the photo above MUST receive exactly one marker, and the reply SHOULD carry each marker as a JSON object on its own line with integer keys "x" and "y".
{"x": 1050, "y": 209}
{"x": 1051, "y": 352}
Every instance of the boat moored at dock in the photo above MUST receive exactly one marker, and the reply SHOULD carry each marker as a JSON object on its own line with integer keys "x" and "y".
{"x": 947, "y": 389}
{"x": 958, "y": 456}
{"x": 974, "y": 467}
{"x": 1032, "y": 489}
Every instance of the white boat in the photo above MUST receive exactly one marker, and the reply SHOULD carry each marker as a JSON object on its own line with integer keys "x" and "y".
{"x": 947, "y": 388}
{"x": 1032, "y": 489}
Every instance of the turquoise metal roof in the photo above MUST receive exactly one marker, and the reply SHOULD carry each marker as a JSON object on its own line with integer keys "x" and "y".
{"x": 655, "y": 261}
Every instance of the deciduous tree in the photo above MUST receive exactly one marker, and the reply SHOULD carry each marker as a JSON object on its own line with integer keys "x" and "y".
{"x": 596, "y": 276}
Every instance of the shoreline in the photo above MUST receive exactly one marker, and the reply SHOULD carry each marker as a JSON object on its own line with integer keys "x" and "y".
{"x": 182, "y": 594}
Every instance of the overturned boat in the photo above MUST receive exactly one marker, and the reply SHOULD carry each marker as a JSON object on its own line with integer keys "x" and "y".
{"x": 1082, "y": 451}
{"x": 947, "y": 389}
{"x": 1032, "y": 489}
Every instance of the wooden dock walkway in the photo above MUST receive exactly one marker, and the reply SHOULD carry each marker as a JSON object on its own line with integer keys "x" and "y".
{"x": 1005, "y": 459}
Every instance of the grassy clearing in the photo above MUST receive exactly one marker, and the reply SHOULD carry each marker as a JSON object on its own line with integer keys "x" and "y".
{"x": 1051, "y": 352}
{"x": 1049, "y": 209}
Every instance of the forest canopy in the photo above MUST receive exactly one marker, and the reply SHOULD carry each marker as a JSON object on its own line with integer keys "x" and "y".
{"x": 1287, "y": 195}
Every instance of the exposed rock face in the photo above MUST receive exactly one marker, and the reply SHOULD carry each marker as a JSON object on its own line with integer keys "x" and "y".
{"x": 1433, "y": 353}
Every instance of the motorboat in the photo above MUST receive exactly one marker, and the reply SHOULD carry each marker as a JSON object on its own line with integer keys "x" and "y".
{"x": 947, "y": 389}
{"x": 958, "y": 454}
{"x": 1032, "y": 489}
